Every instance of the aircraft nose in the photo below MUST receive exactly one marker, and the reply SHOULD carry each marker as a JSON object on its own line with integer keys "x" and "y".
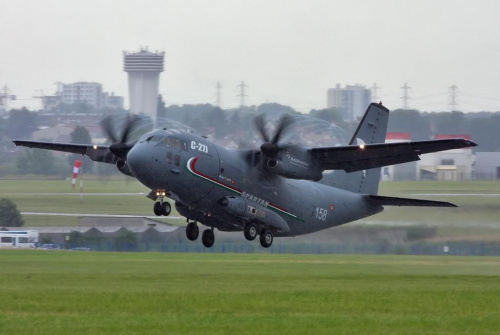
{"x": 138, "y": 161}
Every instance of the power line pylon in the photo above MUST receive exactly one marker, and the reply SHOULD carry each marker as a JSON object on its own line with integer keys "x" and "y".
{"x": 5, "y": 97}
{"x": 405, "y": 96}
{"x": 218, "y": 94}
{"x": 453, "y": 98}
{"x": 242, "y": 94}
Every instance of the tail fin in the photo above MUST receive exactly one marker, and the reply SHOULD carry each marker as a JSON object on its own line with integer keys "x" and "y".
{"x": 371, "y": 129}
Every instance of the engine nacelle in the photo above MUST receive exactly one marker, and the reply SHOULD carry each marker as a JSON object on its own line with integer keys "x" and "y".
{"x": 250, "y": 211}
{"x": 287, "y": 169}
{"x": 294, "y": 162}
{"x": 122, "y": 166}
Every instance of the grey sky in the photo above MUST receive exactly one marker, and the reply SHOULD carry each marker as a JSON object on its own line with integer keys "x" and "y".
{"x": 288, "y": 52}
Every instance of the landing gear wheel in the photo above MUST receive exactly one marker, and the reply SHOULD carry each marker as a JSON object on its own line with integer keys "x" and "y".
{"x": 208, "y": 238}
{"x": 250, "y": 231}
{"x": 166, "y": 208}
{"x": 266, "y": 238}
{"x": 192, "y": 231}
{"x": 157, "y": 209}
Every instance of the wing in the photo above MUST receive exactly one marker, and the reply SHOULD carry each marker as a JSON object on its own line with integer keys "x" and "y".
{"x": 98, "y": 153}
{"x": 362, "y": 157}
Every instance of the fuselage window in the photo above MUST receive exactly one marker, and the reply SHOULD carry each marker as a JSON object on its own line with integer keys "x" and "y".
{"x": 177, "y": 160}
{"x": 169, "y": 157}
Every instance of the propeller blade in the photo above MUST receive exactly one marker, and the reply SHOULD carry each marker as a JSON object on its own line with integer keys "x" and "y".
{"x": 131, "y": 121}
{"x": 120, "y": 147}
{"x": 260, "y": 126}
{"x": 108, "y": 128}
{"x": 271, "y": 147}
{"x": 285, "y": 122}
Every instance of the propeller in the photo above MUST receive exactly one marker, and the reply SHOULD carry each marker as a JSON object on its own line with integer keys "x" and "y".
{"x": 120, "y": 146}
{"x": 271, "y": 147}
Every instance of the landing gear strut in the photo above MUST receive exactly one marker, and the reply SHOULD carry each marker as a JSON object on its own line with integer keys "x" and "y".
{"x": 162, "y": 207}
{"x": 192, "y": 231}
{"x": 208, "y": 238}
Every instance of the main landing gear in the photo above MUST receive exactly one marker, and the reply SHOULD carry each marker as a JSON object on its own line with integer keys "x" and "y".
{"x": 162, "y": 207}
{"x": 266, "y": 236}
{"x": 251, "y": 232}
{"x": 192, "y": 233}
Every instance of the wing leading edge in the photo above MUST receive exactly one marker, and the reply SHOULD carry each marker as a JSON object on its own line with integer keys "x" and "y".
{"x": 361, "y": 157}
{"x": 98, "y": 153}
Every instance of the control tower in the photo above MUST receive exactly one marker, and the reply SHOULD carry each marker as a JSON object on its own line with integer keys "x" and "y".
{"x": 143, "y": 70}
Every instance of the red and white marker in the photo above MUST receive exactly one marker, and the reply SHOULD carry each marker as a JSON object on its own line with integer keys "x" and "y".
{"x": 76, "y": 169}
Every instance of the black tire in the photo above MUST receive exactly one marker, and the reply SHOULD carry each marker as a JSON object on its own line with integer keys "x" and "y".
{"x": 166, "y": 209}
{"x": 208, "y": 238}
{"x": 192, "y": 231}
{"x": 266, "y": 238}
{"x": 251, "y": 231}
{"x": 157, "y": 209}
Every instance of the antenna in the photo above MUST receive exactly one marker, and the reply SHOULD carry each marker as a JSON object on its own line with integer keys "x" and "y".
{"x": 242, "y": 94}
{"x": 453, "y": 98}
{"x": 405, "y": 96}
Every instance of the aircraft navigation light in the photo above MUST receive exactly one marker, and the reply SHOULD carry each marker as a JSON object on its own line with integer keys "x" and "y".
{"x": 362, "y": 147}
{"x": 95, "y": 147}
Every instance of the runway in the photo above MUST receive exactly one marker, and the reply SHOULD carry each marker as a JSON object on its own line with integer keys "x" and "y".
{"x": 175, "y": 217}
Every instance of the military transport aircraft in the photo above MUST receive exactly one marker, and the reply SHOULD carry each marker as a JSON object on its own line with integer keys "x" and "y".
{"x": 281, "y": 189}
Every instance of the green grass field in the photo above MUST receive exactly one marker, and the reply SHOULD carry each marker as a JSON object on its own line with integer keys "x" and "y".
{"x": 57, "y": 196}
{"x": 61, "y": 292}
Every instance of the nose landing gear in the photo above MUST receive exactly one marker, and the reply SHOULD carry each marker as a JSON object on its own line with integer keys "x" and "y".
{"x": 162, "y": 207}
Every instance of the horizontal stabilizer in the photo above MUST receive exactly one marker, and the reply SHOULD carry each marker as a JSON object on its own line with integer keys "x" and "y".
{"x": 393, "y": 201}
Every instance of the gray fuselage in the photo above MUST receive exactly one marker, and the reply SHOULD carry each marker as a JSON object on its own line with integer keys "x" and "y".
{"x": 197, "y": 174}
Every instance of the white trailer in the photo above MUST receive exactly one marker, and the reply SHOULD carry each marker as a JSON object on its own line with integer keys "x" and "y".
{"x": 18, "y": 239}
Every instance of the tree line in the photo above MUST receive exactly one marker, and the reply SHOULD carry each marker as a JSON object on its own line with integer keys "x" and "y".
{"x": 236, "y": 124}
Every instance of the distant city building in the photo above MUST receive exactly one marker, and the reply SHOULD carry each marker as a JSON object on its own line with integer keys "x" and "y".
{"x": 83, "y": 92}
{"x": 89, "y": 93}
{"x": 113, "y": 101}
{"x": 455, "y": 164}
{"x": 352, "y": 101}
{"x": 487, "y": 165}
{"x": 143, "y": 70}
{"x": 405, "y": 171}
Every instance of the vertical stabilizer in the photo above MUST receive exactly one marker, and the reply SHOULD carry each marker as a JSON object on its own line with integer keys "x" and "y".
{"x": 371, "y": 129}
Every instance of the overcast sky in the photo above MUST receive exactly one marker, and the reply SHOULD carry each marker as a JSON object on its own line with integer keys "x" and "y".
{"x": 286, "y": 51}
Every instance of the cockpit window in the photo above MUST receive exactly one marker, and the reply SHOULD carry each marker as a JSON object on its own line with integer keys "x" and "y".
{"x": 154, "y": 138}
{"x": 168, "y": 142}
{"x": 184, "y": 145}
{"x": 175, "y": 143}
